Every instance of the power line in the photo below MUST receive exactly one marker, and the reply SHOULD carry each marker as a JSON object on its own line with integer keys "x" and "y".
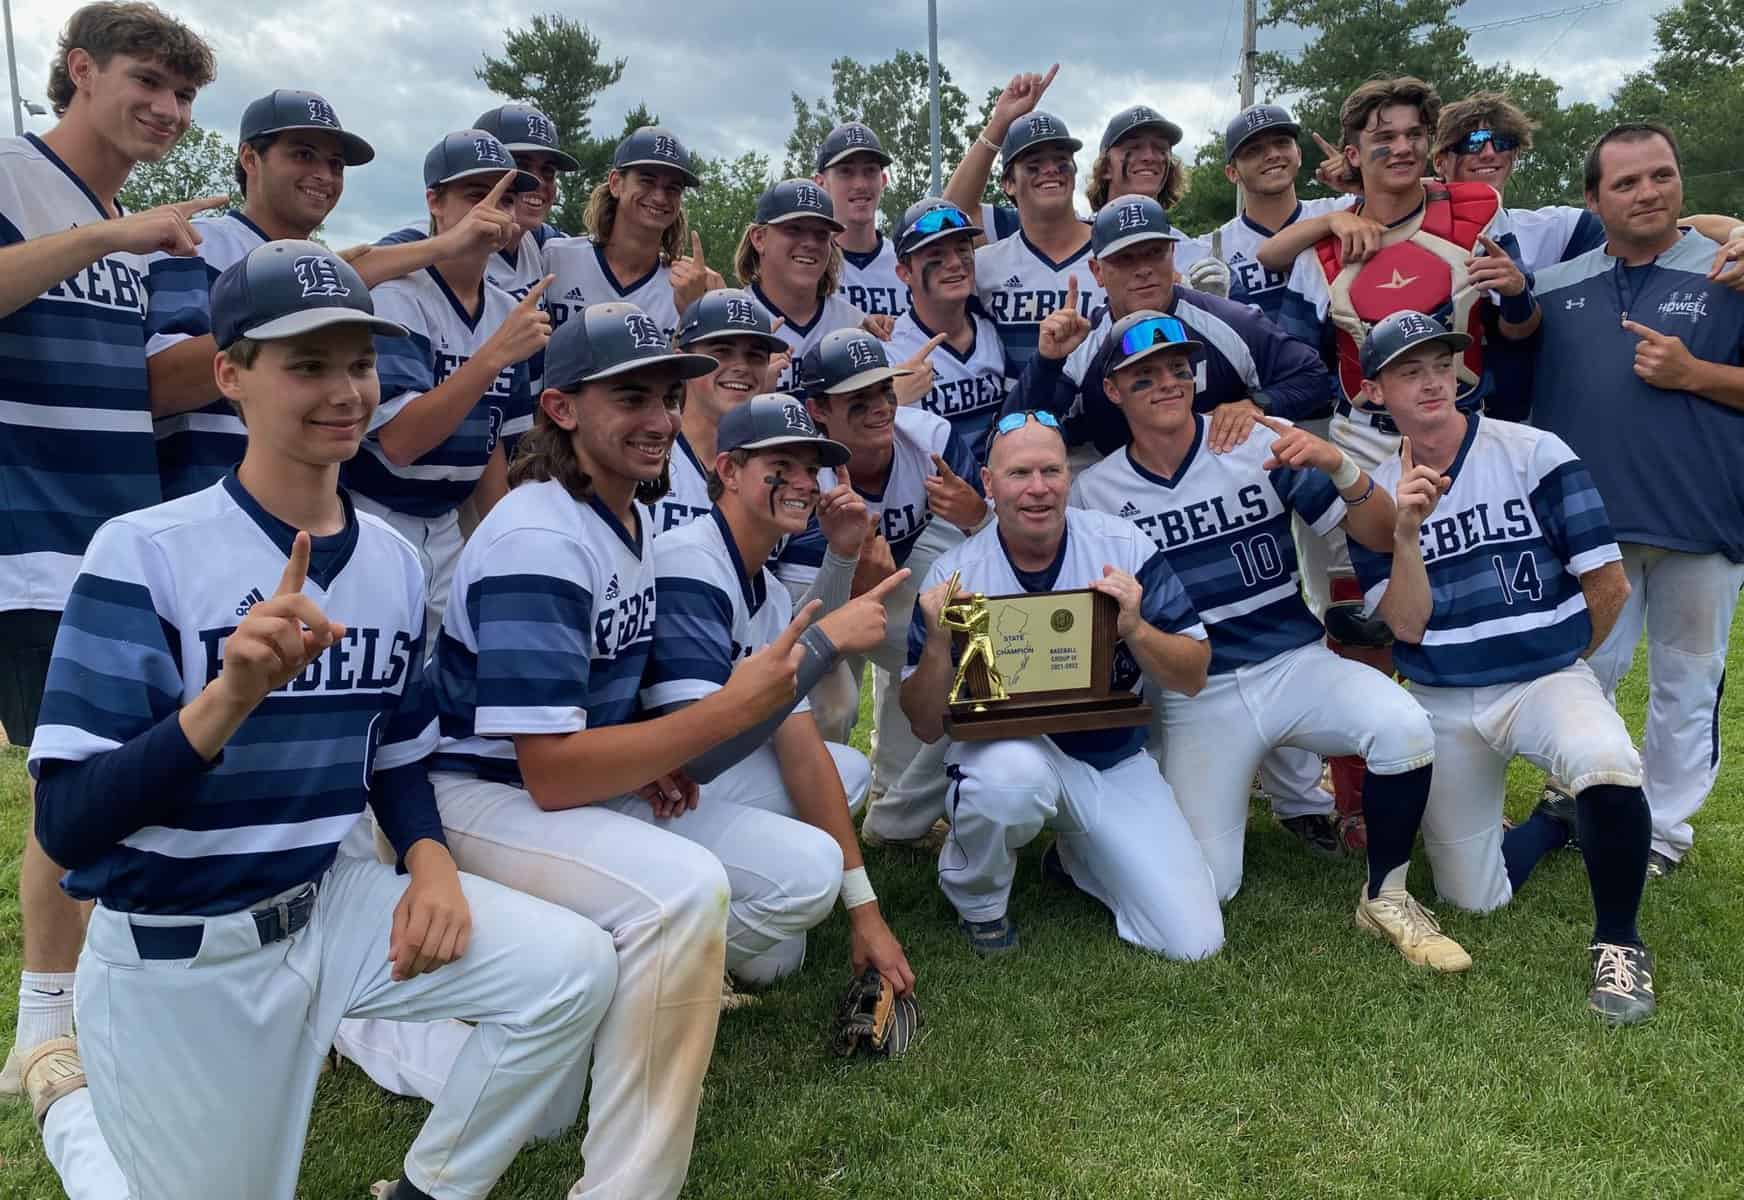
{"x": 1547, "y": 15}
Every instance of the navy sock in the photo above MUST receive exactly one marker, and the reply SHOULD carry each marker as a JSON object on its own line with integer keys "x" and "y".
{"x": 1393, "y": 808}
{"x": 405, "y": 1189}
{"x": 1526, "y": 843}
{"x": 1616, "y": 830}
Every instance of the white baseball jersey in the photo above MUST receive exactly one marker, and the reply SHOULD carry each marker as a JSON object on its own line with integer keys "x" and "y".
{"x": 583, "y": 278}
{"x": 515, "y": 271}
{"x": 144, "y": 633}
{"x": 195, "y": 448}
{"x": 687, "y": 498}
{"x": 1223, "y": 522}
{"x": 443, "y": 338}
{"x": 869, "y": 280}
{"x": 1548, "y": 235}
{"x": 75, "y": 420}
{"x": 833, "y": 314}
{"x": 901, "y": 505}
{"x": 968, "y": 387}
{"x": 1019, "y": 286}
{"x": 549, "y": 624}
{"x": 1504, "y": 551}
{"x": 1251, "y": 281}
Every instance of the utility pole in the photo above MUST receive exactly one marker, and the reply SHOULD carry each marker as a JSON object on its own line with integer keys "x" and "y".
{"x": 932, "y": 88}
{"x": 12, "y": 71}
{"x": 1250, "y": 26}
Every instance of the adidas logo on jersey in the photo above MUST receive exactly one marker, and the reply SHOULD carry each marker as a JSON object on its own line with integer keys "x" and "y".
{"x": 612, "y": 590}
{"x": 1129, "y": 509}
{"x": 253, "y": 598}
{"x": 1014, "y": 281}
{"x": 574, "y": 293}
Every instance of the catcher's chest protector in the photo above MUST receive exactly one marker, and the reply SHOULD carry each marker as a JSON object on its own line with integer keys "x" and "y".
{"x": 1420, "y": 266}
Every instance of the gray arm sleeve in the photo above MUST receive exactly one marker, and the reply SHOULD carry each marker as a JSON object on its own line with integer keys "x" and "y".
{"x": 833, "y": 584}
{"x": 819, "y": 658}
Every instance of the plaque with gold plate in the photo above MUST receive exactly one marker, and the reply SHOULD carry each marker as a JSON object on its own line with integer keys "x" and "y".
{"x": 1034, "y": 662}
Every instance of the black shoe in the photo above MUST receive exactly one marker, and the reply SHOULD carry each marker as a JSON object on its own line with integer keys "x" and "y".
{"x": 1345, "y": 623}
{"x": 990, "y": 939}
{"x": 1660, "y": 865}
{"x": 1559, "y": 806}
{"x": 1317, "y": 832}
{"x": 1622, "y": 984}
{"x": 1054, "y": 868}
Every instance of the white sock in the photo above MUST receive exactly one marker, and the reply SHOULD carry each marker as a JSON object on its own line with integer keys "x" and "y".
{"x": 45, "y": 1008}
{"x": 1394, "y": 880}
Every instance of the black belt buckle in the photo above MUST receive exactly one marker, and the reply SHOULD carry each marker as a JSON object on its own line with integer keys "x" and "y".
{"x": 286, "y": 917}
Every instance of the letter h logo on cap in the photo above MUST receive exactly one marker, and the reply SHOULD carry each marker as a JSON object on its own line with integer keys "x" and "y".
{"x": 539, "y": 129}
{"x": 1411, "y": 324}
{"x": 488, "y": 151}
{"x": 740, "y": 312}
{"x": 855, "y": 135}
{"x": 643, "y": 331}
{"x": 1131, "y": 216}
{"x": 797, "y": 418}
{"x": 321, "y": 112}
{"x": 319, "y": 277}
{"x": 1041, "y": 125}
{"x": 806, "y": 196}
{"x": 862, "y": 354}
{"x": 665, "y": 147}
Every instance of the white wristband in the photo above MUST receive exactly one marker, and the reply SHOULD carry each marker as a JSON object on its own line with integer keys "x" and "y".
{"x": 982, "y": 139}
{"x": 856, "y": 888}
{"x": 1347, "y": 474}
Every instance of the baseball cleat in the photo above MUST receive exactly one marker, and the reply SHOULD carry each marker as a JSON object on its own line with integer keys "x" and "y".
{"x": 1622, "y": 984}
{"x": 990, "y": 939}
{"x": 732, "y": 999}
{"x": 1660, "y": 865}
{"x": 1398, "y": 917}
{"x": 1353, "y": 833}
{"x": 1317, "y": 832}
{"x": 1054, "y": 868}
{"x": 931, "y": 842}
{"x": 12, "y": 1075}
{"x": 51, "y": 1071}
{"x": 1557, "y": 803}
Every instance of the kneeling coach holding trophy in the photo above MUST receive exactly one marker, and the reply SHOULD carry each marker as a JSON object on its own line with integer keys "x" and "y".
{"x": 1053, "y": 735}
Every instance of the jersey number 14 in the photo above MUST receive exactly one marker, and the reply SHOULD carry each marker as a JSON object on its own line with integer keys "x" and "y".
{"x": 1522, "y": 581}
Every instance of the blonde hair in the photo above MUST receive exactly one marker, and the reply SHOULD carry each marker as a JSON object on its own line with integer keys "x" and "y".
{"x": 748, "y": 265}
{"x": 602, "y": 214}
{"x": 1478, "y": 110}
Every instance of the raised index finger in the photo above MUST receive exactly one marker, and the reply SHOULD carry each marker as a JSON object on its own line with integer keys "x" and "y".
{"x": 494, "y": 196}
{"x": 789, "y": 637}
{"x": 944, "y": 467}
{"x": 1047, "y": 79}
{"x": 925, "y": 352}
{"x": 696, "y": 245}
{"x": 1641, "y": 331}
{"x": 886, "y": 585}
{"x": 189, "y": 207}
{"x": 1326, "y": 147}
{"x": 531, "y": 299}
{"x": 1072, "y": 293}
{"x": 1273, "y": 424}
{"x": 1405, "y": 461}
{"x": 297, "y": 569}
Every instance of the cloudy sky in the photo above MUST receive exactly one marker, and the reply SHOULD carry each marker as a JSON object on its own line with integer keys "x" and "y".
{"x": 401, "y": 73}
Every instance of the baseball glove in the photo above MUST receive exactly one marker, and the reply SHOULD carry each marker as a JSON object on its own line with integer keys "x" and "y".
{"x": 874, "y": 1020}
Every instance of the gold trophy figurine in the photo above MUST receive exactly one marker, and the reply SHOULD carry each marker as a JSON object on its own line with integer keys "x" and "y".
{"x": 974, "y": 618}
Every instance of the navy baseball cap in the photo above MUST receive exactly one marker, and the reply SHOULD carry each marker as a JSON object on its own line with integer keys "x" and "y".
{"x": 793, "y": 199}
{"x": 284, "y": 110}
{"x": 1139, "y": 116}
{"x": 849, "y": 139}
{"x": 846, "y": 361}
{"x": 728, "y": 313}
{"x": 523, "y": 127}
{"x": 1393, "y": 335}
{"x": 1032, "y": 130}
{"x": 655, "y": 146}
{"x": 1258, "y": 118}
{"x": 1126, "y": 221}
{"x": 286, "y": 289}
{"x": 469, "y": 152}
{"x": 930, "y": 220}
{"x": 775, "y": 419}
{"x": 1147, "y": 332}
{"x": 605, "y": 340}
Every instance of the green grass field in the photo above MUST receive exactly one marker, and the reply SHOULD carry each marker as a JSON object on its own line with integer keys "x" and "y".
{"x": 1306, "y": 1060}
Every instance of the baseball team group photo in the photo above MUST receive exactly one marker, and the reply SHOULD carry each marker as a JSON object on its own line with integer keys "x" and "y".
{"x": 1159, "y": 631}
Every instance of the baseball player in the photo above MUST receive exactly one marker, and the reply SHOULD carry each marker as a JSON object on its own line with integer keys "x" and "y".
{"x": 75, "y": 422}
{"x": 291, "y": 169}
{"x": 1641, "y": 370}
{"x": 1223, "y": 523}
{"x": 851, "y": 170}
{"x": 228, "y": 940}
{"x": 789, "y": 260}
{"x": 634, "y": 252}
{"x": 1503, "y": 579}
{"x": 455, "y": 393}
{"x": 1120, "y": 833}
{"x": 776, "y": 802}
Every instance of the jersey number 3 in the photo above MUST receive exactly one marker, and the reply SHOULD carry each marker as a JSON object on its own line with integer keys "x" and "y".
{"x": 1523, "y": 581}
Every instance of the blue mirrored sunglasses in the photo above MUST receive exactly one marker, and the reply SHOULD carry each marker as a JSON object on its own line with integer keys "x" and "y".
{"x": 939, "y": 218}
{"x": 1477, "y": 139}
{"x": 1154, "y": 332}
{"x": 1012, "y": 422}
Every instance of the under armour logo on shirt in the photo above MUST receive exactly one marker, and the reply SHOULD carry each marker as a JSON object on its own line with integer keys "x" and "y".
{"x": 539, "y": 130}
{"x": 863, "y": 354}
{"x": 489, "y": 150}
{"x": 319, "y": 276}
{"x": 321, "y": 112}
{"x": 797, "y": 419}
{"x": 1131, "y": 216}
{"x": 1577, "y": 302}
{"x": 741, "y": 312}
{"x": 644, "y": 332}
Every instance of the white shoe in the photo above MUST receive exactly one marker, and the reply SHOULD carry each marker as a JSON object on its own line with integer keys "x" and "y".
{"x": 12, "y": 1075}
{"x": 1396, "y": 916}
{"x": 931, "y": 842}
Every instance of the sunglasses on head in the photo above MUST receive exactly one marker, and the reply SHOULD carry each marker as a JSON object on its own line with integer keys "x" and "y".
{"x": 939, "y": 218}
{"x": 1475, "y": 141}
{"x": 1157, "y": 331}
{"x": 1012, "y": 422}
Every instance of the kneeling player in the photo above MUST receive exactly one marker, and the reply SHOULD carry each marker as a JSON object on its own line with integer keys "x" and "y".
{"x": 1502, "y": 580}
{"x": 775, "y": 802}
{"x": 199, "y": 761}
{"x": 1223, "y": 523}
{"x": 1120, "y": 834}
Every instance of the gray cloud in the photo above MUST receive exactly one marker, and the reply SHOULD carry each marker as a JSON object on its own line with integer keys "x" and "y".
{"x": 721, "y": 74}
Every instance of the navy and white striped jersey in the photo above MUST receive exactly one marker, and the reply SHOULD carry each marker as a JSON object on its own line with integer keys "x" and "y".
{"x": 1504, "y": 549}
{"x": 1019, "y": 286}
{"x": 1223, "y": 522}
{"x": 833, "y": 314}
{"x": 901, "y": 505}
{"x": 443, "y": 338}
{"x": 687, "y": 498}
{"x": 1092, "y": 541}
{"x": 711, "y": 614}
{"x": 548, "y": 628}
{"x": 1251, "y": 282}
{"x": 869, "y": 281}
{"x": 583, "y": 278}
{"x": 514, "y": 271}
{"x": 143, "y": 634}
{"x": 968, "y": 387}
{"x": 197, "y": 448}
{"x": 75, "y": 419}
